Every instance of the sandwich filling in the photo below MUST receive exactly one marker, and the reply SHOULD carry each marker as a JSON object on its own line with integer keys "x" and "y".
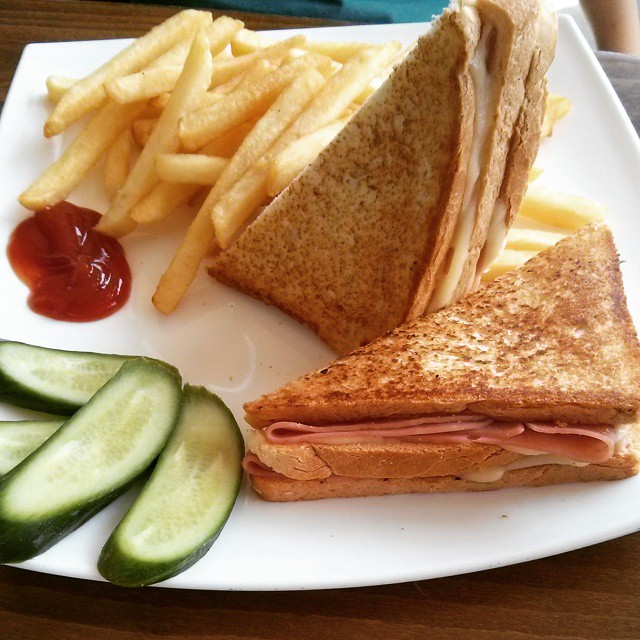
{"x": 486, "y": 94}
{"x": 541, "y": 443}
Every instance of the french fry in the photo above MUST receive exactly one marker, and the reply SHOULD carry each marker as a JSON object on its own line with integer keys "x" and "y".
{"x": 534, "y": 173}
{"x": 159, "y": 103}
{"x": 141, "y": 130}
{"x": 59, "y": 180}
{"x": 292, "y": 160}
{"x": 116, "y": 163}
{"x": 260, "y": 69}
{"x": 57, "y": 86}
{"x": 143, "y": 85}
{"x": 198, "y": 128}
{"x": 219, "y": 33}
{"x": 190, "y": 87}
{"x": 88, "y": 93}
{"x": 557, "y": 107}
{"x": 162, "y": 201}
{"x": 230, "y": 213}
{"x": 226, "y": 145}
{"x": 506, "y": 261}
{"x": 560, "y": 209}
{"x": 189, "y": 168}
{"x": 338, "y": 51}
{"x": 245, "y": 41}
{"x": 531, "y": 239}
{"x": 200, "y": 235}
{"x": 227, "y": 69}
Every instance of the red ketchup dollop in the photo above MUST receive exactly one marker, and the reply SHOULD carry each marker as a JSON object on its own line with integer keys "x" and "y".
{"x": 74, "y": 273}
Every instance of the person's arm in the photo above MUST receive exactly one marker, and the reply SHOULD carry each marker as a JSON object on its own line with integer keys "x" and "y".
{"x": 615, "y": 24}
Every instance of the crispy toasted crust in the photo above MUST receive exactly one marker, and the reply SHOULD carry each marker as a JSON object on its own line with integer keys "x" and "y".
{"x": 552, "y": 340}
{"x": 281, "y": 489}
{"x": 359, "y": 234}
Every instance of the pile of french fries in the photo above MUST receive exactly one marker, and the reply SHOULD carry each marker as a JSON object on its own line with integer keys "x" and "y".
{"x": 206, "y": 113}
{"x": 217, "y": 115}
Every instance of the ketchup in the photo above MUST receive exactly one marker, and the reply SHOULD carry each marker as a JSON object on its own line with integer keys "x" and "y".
{"x": 74, "y": 273}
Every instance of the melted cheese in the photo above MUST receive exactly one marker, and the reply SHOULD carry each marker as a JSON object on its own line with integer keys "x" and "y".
{"x": 497, "y": 473}
{"x": 485, "y": 96}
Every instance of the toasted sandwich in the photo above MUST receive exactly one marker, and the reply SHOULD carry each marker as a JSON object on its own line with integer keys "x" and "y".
{"x": 401, "y": 211}
{"x": 532, "y": 380}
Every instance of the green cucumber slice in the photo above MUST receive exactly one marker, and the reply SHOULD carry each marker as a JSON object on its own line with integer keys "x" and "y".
{"x": 90, "y": 460}
{"x": 20, "y": 438}
{"x": 186, "y": 502}
{"x": 50, "y": 380}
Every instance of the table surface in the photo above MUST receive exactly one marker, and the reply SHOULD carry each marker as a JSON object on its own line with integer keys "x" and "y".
{"x": 589, "y": 593}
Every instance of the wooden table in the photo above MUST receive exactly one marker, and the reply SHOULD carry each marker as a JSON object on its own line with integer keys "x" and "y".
{"x": 591, "y": 593}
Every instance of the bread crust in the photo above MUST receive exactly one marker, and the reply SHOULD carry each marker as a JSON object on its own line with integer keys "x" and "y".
{"x": 348, "y": 246}
{"x": 552, "y": 340}
{"x": 279, "y": 489}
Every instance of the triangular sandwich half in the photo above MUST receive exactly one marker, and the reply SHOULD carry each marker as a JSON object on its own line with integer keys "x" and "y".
{"x": 532, "y": 380}
{"x": 391, "y": 218}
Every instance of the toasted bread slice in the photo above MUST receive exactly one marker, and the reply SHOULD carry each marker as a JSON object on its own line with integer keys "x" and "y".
{"x": 350, "y": 243}
{"x": 552, "y": 340}
{"x": 523, "y": 148}
{"x": 355, "y": 245}
{"x": 514, "y": 34}
{"x": 283, "y": 489}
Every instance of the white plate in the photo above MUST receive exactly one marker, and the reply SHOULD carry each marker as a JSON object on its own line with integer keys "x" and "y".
{"x": 240, "y": 348}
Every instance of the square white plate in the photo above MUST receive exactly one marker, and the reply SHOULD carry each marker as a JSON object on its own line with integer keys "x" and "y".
{"x": 240, "y": 349}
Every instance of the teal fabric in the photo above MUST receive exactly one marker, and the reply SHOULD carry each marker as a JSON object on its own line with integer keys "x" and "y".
{"x": 371, "y": 11}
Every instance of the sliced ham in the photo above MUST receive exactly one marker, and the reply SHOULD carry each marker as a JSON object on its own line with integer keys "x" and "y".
{"x": 582, "y": 443}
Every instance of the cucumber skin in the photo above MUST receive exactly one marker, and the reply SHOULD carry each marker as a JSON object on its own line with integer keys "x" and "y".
{"x": 118, "y": 567}
{"x": 15, "y": 393}
{"x": 20, "y": 541}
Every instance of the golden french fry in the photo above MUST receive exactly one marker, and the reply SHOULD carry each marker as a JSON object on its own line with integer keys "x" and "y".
{"x": 292, "y": 160}
{"x": 229, "y": 214}
{"x": 560, "y": 209}
{"x": 219, "y": 33}
{"x": 162, "y": 201}
{"x": 200, "y": 235}
{"x": 189, "y": 168}
{"x": 59, "y": 180}
{"x": 143, "y": 85}
{"x": 116, "y": 163}
{"x": 57, "y": 87}
{"x": 557, "y": 107}
{"x": 338, "y": 51}
{"x": 227, "y": 69}
{"x": 190, "y": 87}
{"x": 506, "y": 261}
{"x": 226, "y": 145}
{"x": 199, "y": 127}
{"x": 89, "y": 92}
{"x": 531, "y": 239}
{"x": 141, "y": 130}
{"x": 245, "y": 41}
{"x": 534, "y": 173}
{"x": 260, "y": 69}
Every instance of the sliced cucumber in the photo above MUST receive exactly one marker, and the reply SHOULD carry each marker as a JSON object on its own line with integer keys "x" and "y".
{"x": 90, "y": 460}
{"x": 187, "y": 500}
{"x": 51, "y": 380}
{"x": 20, "y": 438}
